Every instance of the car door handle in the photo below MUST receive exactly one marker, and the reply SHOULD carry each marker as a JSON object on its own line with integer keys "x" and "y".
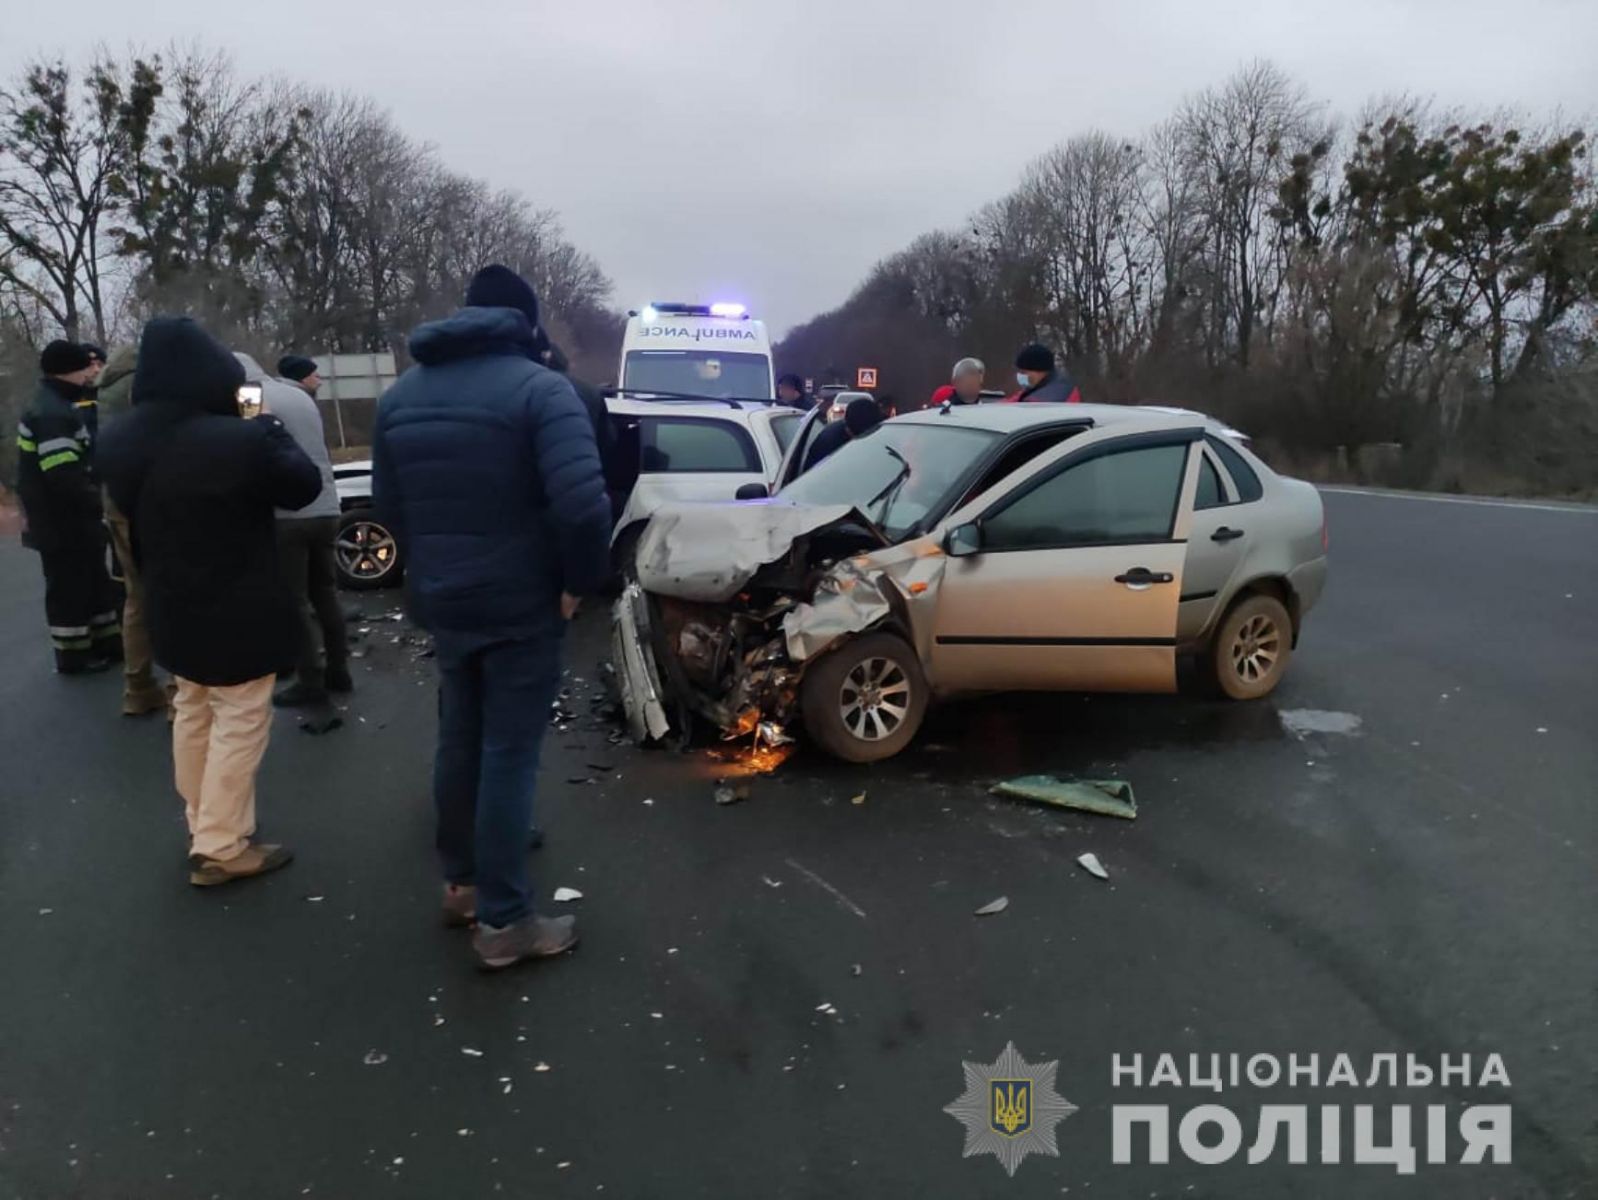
{"x": 1142, "y": 577}
{"x": 1223, "y": 534}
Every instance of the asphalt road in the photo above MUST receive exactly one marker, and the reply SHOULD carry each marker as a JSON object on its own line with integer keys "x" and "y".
{"x": 1424, "y": 884}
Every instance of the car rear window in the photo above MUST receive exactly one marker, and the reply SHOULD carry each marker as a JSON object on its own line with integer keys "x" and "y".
{"x": 1249, "y": 487}
{"x": 677, "y": 445}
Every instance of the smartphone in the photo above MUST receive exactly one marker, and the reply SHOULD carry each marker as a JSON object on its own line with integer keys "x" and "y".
{"x": 250, "y": 400}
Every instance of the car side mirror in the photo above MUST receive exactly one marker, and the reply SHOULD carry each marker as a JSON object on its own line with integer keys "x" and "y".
{"x": 963, "y": 540}
{"x": 751, "y": 491}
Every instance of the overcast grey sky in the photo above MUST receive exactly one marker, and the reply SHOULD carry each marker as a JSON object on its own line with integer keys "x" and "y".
{"x": 772, "y": 150}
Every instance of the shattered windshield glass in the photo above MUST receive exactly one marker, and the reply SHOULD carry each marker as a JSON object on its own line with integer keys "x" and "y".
{"x": 895, "y": 474}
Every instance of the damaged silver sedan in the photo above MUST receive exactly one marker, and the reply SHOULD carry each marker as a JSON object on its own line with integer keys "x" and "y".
{"x": 966, "y": 550}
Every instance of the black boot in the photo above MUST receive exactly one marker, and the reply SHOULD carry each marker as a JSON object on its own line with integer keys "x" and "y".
{"x": 338, "y": 679}
{"x": 81, "y": 662}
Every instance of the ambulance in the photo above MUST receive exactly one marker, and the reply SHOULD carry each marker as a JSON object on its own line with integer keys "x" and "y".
{"x": 702, "y": 350}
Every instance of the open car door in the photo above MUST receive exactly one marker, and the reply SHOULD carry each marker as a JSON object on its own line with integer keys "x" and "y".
{"x": 793, "y": 459}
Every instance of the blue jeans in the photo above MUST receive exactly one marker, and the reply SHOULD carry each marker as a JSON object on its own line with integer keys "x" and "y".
{"x": 493, "y": 707}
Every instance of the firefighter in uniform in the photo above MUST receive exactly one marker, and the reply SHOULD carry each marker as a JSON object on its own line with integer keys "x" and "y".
{"x": 55, "y": 479}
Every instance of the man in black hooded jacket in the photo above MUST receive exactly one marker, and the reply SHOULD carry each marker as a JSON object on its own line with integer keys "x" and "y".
{"x": 199, "y": 485}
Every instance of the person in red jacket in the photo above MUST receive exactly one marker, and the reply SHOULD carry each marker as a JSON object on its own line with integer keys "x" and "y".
{"x": 965, "y": 386}
{"x": 1041, "y": 381}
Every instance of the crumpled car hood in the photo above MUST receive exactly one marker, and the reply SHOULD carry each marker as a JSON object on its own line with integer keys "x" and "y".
{"x": 729, "y": 608}
{"x": 708, "y": 552}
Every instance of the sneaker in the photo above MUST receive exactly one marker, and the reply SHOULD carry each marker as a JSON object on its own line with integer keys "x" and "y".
{"x": 531, "y": 937}
{"x": 255, "y": 859}
{"x": 140, "y": 702}
{"x": 299, "y": 695}
{"x": 460, "y": 905}
{"x": 339, "y": 681}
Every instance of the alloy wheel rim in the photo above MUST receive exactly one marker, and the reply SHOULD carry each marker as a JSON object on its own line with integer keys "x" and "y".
{"x": 1256, "y": 649}
{"x": 366, "y": 550}
{"x": 874, "y": 699}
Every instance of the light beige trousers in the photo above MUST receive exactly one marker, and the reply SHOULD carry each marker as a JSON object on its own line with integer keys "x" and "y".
{"x": 218, "y": 737}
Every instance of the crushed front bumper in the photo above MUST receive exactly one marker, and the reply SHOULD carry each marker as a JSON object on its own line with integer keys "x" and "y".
{"x": 632, "y": 652}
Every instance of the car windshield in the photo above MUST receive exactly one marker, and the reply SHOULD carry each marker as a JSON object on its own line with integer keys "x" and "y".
{"x": 896, "y": 474}
{"x": 699, "y": 373}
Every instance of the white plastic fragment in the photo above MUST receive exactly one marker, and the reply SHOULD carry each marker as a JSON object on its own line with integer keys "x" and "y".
{"x": 1090, "y": 863}
{"x": 375, "y": 1058}
{"x": 471, "y": 1052}
{"x": 993, "y": 907}
{"x": 564, "y": 895}
{"x": 541, "y": 1067}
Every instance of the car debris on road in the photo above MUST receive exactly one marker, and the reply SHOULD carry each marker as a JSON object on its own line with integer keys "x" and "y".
{"x": 1090, "y": 863}
{"x": 1107, "y": 797}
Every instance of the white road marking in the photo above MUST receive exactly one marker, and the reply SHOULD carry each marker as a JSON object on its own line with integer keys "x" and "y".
{"x": 827, "y": 887}
{"x": 1478, "y": 502}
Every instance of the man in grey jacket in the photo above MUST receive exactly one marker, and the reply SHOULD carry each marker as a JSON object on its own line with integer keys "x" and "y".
{"x": 305, "y": 548}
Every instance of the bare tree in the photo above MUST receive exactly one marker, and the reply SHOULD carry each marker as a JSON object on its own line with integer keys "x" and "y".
{"x": 1240, "y": 140}
{"x": 62, "y": 148}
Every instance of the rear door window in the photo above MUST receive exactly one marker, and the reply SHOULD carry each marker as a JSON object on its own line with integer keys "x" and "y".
{"x": 1249, "y": 487}
{"x": 677, "y": 445}
{"x": 1210, "y": 493}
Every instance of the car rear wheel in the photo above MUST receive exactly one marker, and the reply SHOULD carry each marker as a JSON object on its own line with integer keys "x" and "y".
{"x": 366, "y": 553}
{"x": 865, "y": 700}
{"x": 1251, "y": 648}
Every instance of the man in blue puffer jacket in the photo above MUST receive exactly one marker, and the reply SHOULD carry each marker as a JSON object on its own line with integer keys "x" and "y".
{"x": 485, "y": 467}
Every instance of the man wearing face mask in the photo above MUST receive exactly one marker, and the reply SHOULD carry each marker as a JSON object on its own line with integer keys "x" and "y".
{"x": 1040, "y": 380}
{"x": 56, "y": 481}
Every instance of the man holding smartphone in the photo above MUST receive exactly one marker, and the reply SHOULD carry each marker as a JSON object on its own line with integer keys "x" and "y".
{"x": 486, "y": 470}
{"x": 199, "y": 484}
{"x": 305, "y": 539}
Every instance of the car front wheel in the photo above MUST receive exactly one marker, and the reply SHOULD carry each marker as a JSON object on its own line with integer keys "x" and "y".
{"x": 1251, "y": 648}
{"x": 366, "y": 553}
{"x": 864, "y": 701}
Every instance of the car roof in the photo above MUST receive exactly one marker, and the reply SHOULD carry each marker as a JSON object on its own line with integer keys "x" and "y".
{"x": 1009, "y": 418}
{"x": 724, "y": 410}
